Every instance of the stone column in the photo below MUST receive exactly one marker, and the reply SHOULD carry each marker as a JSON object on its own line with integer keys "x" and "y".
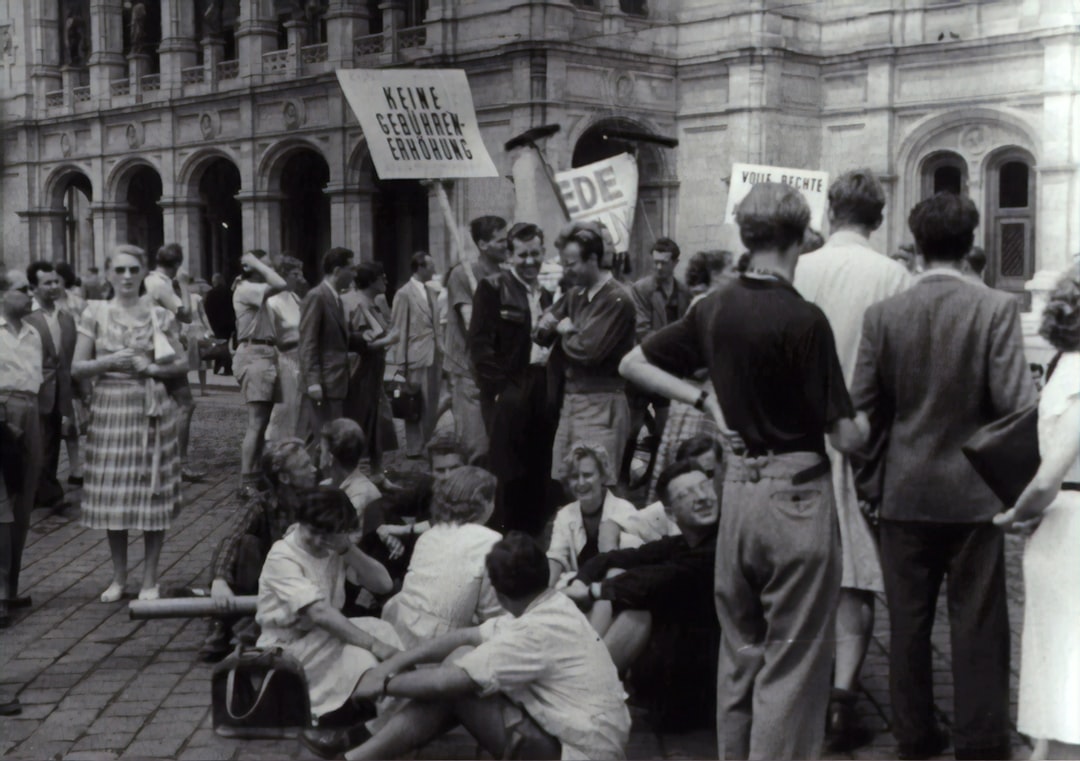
{"x": 178, "y": 49}
{"x": 256, "y": 33}
{"x": 393, "y": 18}
{"x": 110, "y": 227}
{"x": 107, "y": 46}
{"x": 213, "y": 54}
{"x": 296, "y": 34}
{"x": 350, "y": 219}
{"x": 261, "y": 215}
{"x": 43, "y": 58}
{"x": 138, "y": 67}
{"x": 69, "y": 77}
{"x": 345, "y": 21}
{"x": 180, "y": 217}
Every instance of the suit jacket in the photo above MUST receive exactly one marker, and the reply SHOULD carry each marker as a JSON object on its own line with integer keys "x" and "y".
{"x": 325, "y": 342}
{"x": 414, "y": 317}
{"x": 500, "y": 333}
{"x": 936, "y": 363}
{"x": 57, "y": 387}
{"x": 650, "y": 305}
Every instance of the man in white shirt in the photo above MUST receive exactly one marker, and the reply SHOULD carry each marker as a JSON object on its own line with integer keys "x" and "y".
{"x": 20, "y": 381}
{"x": 843, "y": 278}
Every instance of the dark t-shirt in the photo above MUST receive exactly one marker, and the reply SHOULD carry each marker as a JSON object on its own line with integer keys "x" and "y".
{"x": 771, "y": 357}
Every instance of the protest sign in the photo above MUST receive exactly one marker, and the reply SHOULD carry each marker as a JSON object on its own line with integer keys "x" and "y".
{"x": 605, "y": 191}
{"x": 814, "y": 186}
{"x": 419, "y": 123}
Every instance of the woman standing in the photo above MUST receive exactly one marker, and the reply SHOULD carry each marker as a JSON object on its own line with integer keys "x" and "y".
{"x": 132, "y": 450}
{"x": 1050, "y": 665}
{"x": 367, "y": 404}
{"x": 284, "y": 309}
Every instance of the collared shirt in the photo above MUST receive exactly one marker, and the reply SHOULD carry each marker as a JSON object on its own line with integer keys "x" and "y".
{"x": 159, "y": 287}
{"x": 284, "y": 309}
{"x": 551, "y": 663}
{"x": 252, "y": 320}
{"x": 538, "y": 355}
{"x": 20, "y": 358}
{"x": 590, "y": 294}
{"x": 52, "y": 319}
{"x": 568, "y": 531}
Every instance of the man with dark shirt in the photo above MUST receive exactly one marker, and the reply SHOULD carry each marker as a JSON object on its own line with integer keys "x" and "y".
{"x": 662, "y": 601}
{"x": 511, "y": 371}
{"x": 779, "y": 384}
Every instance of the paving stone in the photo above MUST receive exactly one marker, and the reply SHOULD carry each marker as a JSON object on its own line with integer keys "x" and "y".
{"x": 18, "y": 729}
{"x": 116, "y": 725}
{"x": 40, "y": 749}
{"x": 51, "y": 696}
{"x": 163, "y": 748}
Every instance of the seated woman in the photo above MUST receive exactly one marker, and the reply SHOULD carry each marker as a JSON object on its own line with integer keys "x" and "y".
{"x": 301, "y": 592}
{"x": 341, "y": 447}
{"x": 594, "y": 523}
{"x": 447, "y": 586}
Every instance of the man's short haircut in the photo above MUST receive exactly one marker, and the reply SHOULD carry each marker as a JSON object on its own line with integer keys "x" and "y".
{"x": 336, "y": 257}
{"x": 67, "y": 272}
{"x": 704, "y": 266}
{"x": 588, "y": 235}
{"x": 289, "y": 264}
{"x": 463, "y": 496}
{"x": 416, "y": 261}
{"x": 345, "y": 440}
{"x": 517, "y": 566}
{"x": 524, "y": 231}
{"x": 857, "y": 198}
{"x": 944, "y": 226}
{"x": 1061, "y": 317}
{"x": 695, "y": 446}
{"x": 976, "y": 259}
{"x": 483, "y": 229}
{"x": 326, "y": 509}
{"x": 772, "y": 215}
{"x": 169, "y": 255}
{"x": 670, "y": 473}
{"x": 581, "y": 450}
{"x": 36, "y": 267}
{"x": 368, "y": 272}
{"x": 667, "y": 244}
{"x": 274, "y": 457}
{"x": 444, "y": 442}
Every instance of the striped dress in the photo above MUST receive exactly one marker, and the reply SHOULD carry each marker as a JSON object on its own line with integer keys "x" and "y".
{"x": 132, "y": 472}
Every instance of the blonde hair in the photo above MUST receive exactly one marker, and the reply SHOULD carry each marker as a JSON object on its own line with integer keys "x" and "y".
{"x": 579, "y": 450}
{"x": 463, "y": 496}
{"x": 128, "y": 249}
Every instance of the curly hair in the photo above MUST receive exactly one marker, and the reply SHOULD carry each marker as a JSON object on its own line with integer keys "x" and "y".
{"x": 1061, "y": 318}
{"x": 327, "y": 509}
{"x": 274, "y": 457}
{"x": 580, "y": 450}
{"x": 463, "y": 496}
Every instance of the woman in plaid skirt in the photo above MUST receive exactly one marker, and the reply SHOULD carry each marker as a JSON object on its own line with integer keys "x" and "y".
{"x": 132, "y": 473}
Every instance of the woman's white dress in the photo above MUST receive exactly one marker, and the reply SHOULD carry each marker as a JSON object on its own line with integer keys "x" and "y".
{"x": 1050, "y": 651}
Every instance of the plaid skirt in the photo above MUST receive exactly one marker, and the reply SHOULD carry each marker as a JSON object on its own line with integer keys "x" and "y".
{"x": 132, "y": 433}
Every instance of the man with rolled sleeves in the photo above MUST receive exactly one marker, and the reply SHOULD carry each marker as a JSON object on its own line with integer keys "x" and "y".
{"x": 20, "y": 381}
{"x": 780, "y": 387}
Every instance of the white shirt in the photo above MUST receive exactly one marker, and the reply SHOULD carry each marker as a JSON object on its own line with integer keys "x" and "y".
{"x": 284, "y": 309}
{"x": 361, "y": 492}
{"x": 447, "y": 585}
{"x": 551, "y": 662}
{"x": 568, "y": 531}
{"x": 652, "y": 523}
{"x": 160, "y": 290}
{"x": 20, "y": 358}
{"x": 52, "y": 319}
{"x": 538, "y": 355}
{"x": 248, "y": 299}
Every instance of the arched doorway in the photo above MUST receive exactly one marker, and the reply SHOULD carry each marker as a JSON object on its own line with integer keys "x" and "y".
{"x": 399, "y": 220}
{"x": 944, "y": 172}
{"x": 1010, "y": 219}
{"x": 145, "y": 223}
{"x": 220, "y": 223}
{"x": 305, "y": 210}
{"x": 650, "y": 217}
{"x": 73, "y": 195}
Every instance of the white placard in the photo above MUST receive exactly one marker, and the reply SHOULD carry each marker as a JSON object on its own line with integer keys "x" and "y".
{"x": 419, "y": 123}
{"x": 814, "y": 186}
{"x": 605, "y": 191}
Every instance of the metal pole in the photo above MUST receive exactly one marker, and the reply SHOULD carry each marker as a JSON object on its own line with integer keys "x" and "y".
{"x": 188, "y": 607}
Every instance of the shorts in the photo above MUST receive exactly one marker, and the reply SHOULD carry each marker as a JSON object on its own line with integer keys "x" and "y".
{"x": 180, "y": 390}
{"x": 255, "y": 368}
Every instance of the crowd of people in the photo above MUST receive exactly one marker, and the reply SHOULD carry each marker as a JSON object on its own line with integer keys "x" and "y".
{"x": 807, "y": 402}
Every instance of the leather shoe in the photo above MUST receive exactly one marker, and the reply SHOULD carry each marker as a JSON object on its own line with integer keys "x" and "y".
{"x": 845, "y": 731}
{"x": 934, "y": 744}
{"x": 332, "y": 743}
{"x": 19, "y": 602}
{"x": 10, "y": 707}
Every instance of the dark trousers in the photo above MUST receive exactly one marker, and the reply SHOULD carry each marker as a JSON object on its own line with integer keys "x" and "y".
{"x": 49, "y": 490}
{"x": 915, "y": 558}
{"x": 21, "y": 412}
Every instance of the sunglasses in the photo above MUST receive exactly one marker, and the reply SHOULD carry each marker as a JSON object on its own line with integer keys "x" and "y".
{"x": 125, "y": 270}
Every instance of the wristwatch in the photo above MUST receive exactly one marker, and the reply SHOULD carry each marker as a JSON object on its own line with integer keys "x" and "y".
{"x": 699, "y": 405}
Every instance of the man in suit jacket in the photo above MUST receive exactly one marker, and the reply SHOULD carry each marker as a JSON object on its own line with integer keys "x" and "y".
{"x": 937, "y": 363}
{"x": 511, "y": 372}
{"x": 415, "y": 320}
{"x": 55, "y": 399}
{"x": 324, "y": 344}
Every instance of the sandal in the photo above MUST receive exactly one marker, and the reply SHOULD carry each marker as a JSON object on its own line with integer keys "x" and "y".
{"x": 151, "y": 593}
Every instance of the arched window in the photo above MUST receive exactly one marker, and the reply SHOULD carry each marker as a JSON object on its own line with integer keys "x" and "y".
{"x": 1010, "y": 219}
{"x": 944, "y": 172}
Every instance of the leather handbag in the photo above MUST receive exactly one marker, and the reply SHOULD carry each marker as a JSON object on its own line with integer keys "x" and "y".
{"x": 1005, "y": 453}
{"x": 406, "y": 401}
{"x": 260, "y": 693}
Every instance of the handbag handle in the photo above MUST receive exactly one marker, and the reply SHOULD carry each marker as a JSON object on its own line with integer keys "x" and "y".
{"x": 230, "y": 689}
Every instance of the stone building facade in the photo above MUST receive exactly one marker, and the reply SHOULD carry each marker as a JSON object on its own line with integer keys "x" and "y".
{"x": 220, "y": 125}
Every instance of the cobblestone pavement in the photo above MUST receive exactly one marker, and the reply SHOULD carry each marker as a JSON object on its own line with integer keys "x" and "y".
{"x": 96, "y": 685}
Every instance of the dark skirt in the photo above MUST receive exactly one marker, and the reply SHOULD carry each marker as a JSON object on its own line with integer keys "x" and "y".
{"x": 369, "y": 406}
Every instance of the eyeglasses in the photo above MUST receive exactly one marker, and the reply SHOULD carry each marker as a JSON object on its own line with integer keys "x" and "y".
{"x": 134, "y": 270}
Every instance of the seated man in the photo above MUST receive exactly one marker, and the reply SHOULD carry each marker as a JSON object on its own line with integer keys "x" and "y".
{"x": 286, "y": 468}
{"x": 539, "y": 684}
{"x": 341, "y": 447}
{"x": 656, "y": 616}
{"x": 654, "y": 521}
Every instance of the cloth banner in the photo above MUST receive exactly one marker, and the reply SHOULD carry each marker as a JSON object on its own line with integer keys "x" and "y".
{"x": 813, "y": 185}
{"x": 419, "y": 123}
{"x": 606, "y": 192}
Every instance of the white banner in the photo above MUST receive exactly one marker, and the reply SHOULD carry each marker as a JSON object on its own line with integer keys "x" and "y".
{"x": 606, "y": 192}
{"x": 814, "y": 186}
{"x": 419, "y": 123}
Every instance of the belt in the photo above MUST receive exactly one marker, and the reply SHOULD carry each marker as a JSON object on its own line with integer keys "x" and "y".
{"x": 804, "y": 476}
{"x": 288, "y": 347}
{"x": 1070, "y": 486}
{"x": 257, "y": 341}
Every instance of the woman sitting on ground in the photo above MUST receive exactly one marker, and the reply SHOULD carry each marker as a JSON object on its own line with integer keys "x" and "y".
{"x": 447, "y": 586}
{"x": 591, "y": 525}
{"x": 302, "y": 591}
{"x": 341, "y": 449}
